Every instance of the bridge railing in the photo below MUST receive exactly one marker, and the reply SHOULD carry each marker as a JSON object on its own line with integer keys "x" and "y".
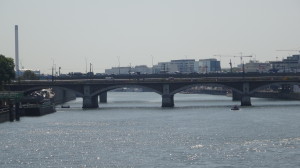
{"x": 174, "y": 75}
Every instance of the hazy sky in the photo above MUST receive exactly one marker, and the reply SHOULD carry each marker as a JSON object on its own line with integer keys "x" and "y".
{"x": 73, "y": 32}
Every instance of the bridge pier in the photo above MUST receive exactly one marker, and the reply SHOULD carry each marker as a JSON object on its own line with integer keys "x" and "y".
{"x": 245, "y": 97}
{"x": 88, "y": 100}
{"x": 103, "y": 97}
{"x": 167, "y": 101}
{"x": 246, "y": 100}
{"x": 167, "y": 98}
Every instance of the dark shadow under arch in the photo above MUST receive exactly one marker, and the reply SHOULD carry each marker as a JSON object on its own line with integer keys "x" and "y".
{"x": 122, "y": 86}
{"x": 203, "y": 84}
{"x": 274, "y": 83}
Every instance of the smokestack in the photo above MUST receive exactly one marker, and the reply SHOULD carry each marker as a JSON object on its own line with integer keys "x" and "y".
{"x": 17, "y": 51}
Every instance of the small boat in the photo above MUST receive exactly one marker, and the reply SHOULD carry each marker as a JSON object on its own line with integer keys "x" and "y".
{"x": 235, "y": 107}
{"x": 65, "y": 106}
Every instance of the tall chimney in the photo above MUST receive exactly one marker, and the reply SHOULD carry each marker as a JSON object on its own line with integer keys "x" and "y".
{"x": 17, "y": 51}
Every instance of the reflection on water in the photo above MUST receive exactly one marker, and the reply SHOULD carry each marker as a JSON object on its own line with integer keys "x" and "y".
{"x": 132, "y": 130}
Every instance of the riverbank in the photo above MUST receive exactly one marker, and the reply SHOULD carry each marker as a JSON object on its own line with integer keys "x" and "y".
{"x": 14, "y": 105}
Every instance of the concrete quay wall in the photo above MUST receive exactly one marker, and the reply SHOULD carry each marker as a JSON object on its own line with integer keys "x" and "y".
{"x": 4, "y": 115}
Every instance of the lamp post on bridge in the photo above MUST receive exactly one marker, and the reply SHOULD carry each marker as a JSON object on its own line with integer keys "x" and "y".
{"x": 243, "y": 69}
{"x": 53, "y": 69}
{"x": 52, "y": 76}
{"x": 119, "y": 64}
{"x": 91, "y": 71}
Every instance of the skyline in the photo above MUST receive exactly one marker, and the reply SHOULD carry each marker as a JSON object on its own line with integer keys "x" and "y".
{"x": 71, "y": 34}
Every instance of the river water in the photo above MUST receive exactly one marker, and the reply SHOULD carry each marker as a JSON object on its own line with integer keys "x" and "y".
{"x": 132, "y": 130}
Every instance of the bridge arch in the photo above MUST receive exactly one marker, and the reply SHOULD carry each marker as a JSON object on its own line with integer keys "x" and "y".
{"x": 203, "y": 84}
{"x": 272, "y": 83}
{"x": 106, "y": 89}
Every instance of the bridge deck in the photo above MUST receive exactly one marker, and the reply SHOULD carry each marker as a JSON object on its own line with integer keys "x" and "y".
{"x": 161, "y": 80}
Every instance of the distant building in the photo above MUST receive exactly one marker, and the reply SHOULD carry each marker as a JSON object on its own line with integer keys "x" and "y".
{"x": 165, "y": 67}
{"x": 155, "y": 69}
{"x": 290, "y": 64}
{"x": 255, "y": 66}
{"x": 208, "y": 65}
{"x": 187, "y": 66}
{"x": 184, "y": 65}
{"x": 142, "y": 69}
{"x": 118, "y": 70}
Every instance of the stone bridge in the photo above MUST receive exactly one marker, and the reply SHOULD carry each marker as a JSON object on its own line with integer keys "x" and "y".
{"x": 91, "y": 89}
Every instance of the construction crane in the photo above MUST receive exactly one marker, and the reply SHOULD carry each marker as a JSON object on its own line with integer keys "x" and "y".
{"x": 290, "y": 50}
{"x": 241, "y": 57}
{"x": 226, "y": 56}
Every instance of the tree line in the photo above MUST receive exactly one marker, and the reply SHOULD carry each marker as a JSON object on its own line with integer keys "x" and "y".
{"x": 7, "y": 72}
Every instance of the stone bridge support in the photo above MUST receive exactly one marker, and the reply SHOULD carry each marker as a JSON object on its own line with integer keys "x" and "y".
{"x": 103, "y": 97}
{"x": 167, "y": 98}
{"x": 245, "y": 97}
{"x": 88, "y": 100}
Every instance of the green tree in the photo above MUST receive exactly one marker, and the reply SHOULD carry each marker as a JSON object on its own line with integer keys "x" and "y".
{"x": 29, "y": 75}
{"x": 7, "y": 72}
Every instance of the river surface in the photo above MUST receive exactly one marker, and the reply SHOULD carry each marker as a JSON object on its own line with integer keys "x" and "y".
{"x": 132, "y": 130}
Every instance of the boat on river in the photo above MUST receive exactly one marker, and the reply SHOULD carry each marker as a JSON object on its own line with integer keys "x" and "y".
{"x": 38, "y": 103}
{"x": 235, "y": 108}
{"x": 65, "y": 106}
